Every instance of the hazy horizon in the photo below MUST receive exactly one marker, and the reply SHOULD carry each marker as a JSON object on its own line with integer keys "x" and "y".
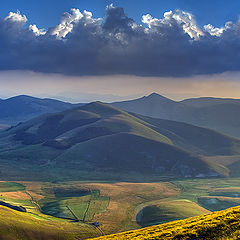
{"x": 116, "y": 87}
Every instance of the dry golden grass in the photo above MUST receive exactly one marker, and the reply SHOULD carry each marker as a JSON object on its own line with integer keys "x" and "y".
{"x": 16, "y": 225}
{"x": 124, "y": 199}
{"x": 215, "y": 226}
{"x": 16, "y": 195}
{"x": 35, "y": 189}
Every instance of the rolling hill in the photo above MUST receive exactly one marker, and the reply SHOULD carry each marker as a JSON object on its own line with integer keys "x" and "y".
{"x": 87, "y": 141}
{"x": 156, "y": 106}
{"x": 218, "y": 225}
{"x": 209, "y": 101}
{"x": 22, "y": 108}
{"x": 216, "y": 113}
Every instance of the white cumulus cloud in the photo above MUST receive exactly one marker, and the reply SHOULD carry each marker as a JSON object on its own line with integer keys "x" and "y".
{"x": 80, "y": 44}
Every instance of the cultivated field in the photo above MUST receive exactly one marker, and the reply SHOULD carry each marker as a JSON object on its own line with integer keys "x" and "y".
{"x": 120, "y": 206}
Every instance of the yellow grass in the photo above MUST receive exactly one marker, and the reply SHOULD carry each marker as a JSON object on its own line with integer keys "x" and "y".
{"x": 218, "y": 225}
{"x": 124, "y": 200}
{"x": 16, "y": 225}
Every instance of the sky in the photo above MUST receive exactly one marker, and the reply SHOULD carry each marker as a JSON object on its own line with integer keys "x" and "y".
{"x": 47, "y": 13}
{"x": 85, "y": 50}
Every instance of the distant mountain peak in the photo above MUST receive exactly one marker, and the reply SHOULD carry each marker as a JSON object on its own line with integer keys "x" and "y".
{"x": 22, "y": 97}
{"x": 155, "y": 96}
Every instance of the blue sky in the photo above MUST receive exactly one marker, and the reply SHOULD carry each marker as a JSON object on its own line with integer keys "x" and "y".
{"x": 47, "y": 13}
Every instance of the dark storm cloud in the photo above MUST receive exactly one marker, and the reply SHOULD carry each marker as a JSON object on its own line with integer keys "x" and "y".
{"x": 83, "y": 45}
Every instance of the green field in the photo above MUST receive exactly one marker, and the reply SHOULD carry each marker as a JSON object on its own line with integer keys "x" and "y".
{"x": 81, "y": 205}
{"x": 121, "y": 206}
{"x": 16, "y": 225}
{"x": 195, "y": 197}
{"x": 11, "y": 187}
{"x": 167, "y": 211}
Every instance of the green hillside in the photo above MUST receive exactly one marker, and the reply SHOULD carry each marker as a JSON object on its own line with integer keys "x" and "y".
{"x": 197, "y": 139}
{"x": 167, "y": 211}
{"x": 84, "y": 142}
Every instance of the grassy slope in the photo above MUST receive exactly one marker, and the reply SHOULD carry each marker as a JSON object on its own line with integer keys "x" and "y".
{"x": 116, "y": 199}
{"x": 179, "y": 199}
{"x": 170, "y": 201}
{"x": 197, "y": 139}
{"x": 89, "y": 137}
{"x": 132, "y": 153}
{"x": 18, "y": 226}
{"x": 125, "y": 199}
{"x": 11, "y": 187}
{"x": 34, "y": 224}
{"x": 175, "y": 200}
{"x": 72, "y": 144}
{"x": 167, "y": 211}
{"x": 217, "y": 225}
{"x": 115, "y": 207}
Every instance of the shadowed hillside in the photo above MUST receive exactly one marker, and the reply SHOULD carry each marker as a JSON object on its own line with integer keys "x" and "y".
{"x": 21, "y": 108}
{"x": 219, "y": 114}
{"x": 97, "y": 138}
{"x": 209, "y": 101}
{"x": 156, "y": 106}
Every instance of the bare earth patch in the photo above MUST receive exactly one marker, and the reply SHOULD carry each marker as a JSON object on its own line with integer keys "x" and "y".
{"x": 15, "y": 195}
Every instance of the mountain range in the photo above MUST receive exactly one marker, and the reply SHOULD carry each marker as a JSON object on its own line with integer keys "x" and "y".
{"x": 87, "y": 141}
{"x": 22, "y": 108}
{"x": 219, "y": 114}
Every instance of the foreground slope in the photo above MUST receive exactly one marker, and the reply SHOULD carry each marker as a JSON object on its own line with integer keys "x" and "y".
{"x": 86, "y": 141}
{"x": 217, "y": 225}
{"x": 16, "y": 225}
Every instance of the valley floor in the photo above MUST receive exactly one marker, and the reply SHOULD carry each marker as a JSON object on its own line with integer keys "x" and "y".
{"x": 73, "y": 207}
